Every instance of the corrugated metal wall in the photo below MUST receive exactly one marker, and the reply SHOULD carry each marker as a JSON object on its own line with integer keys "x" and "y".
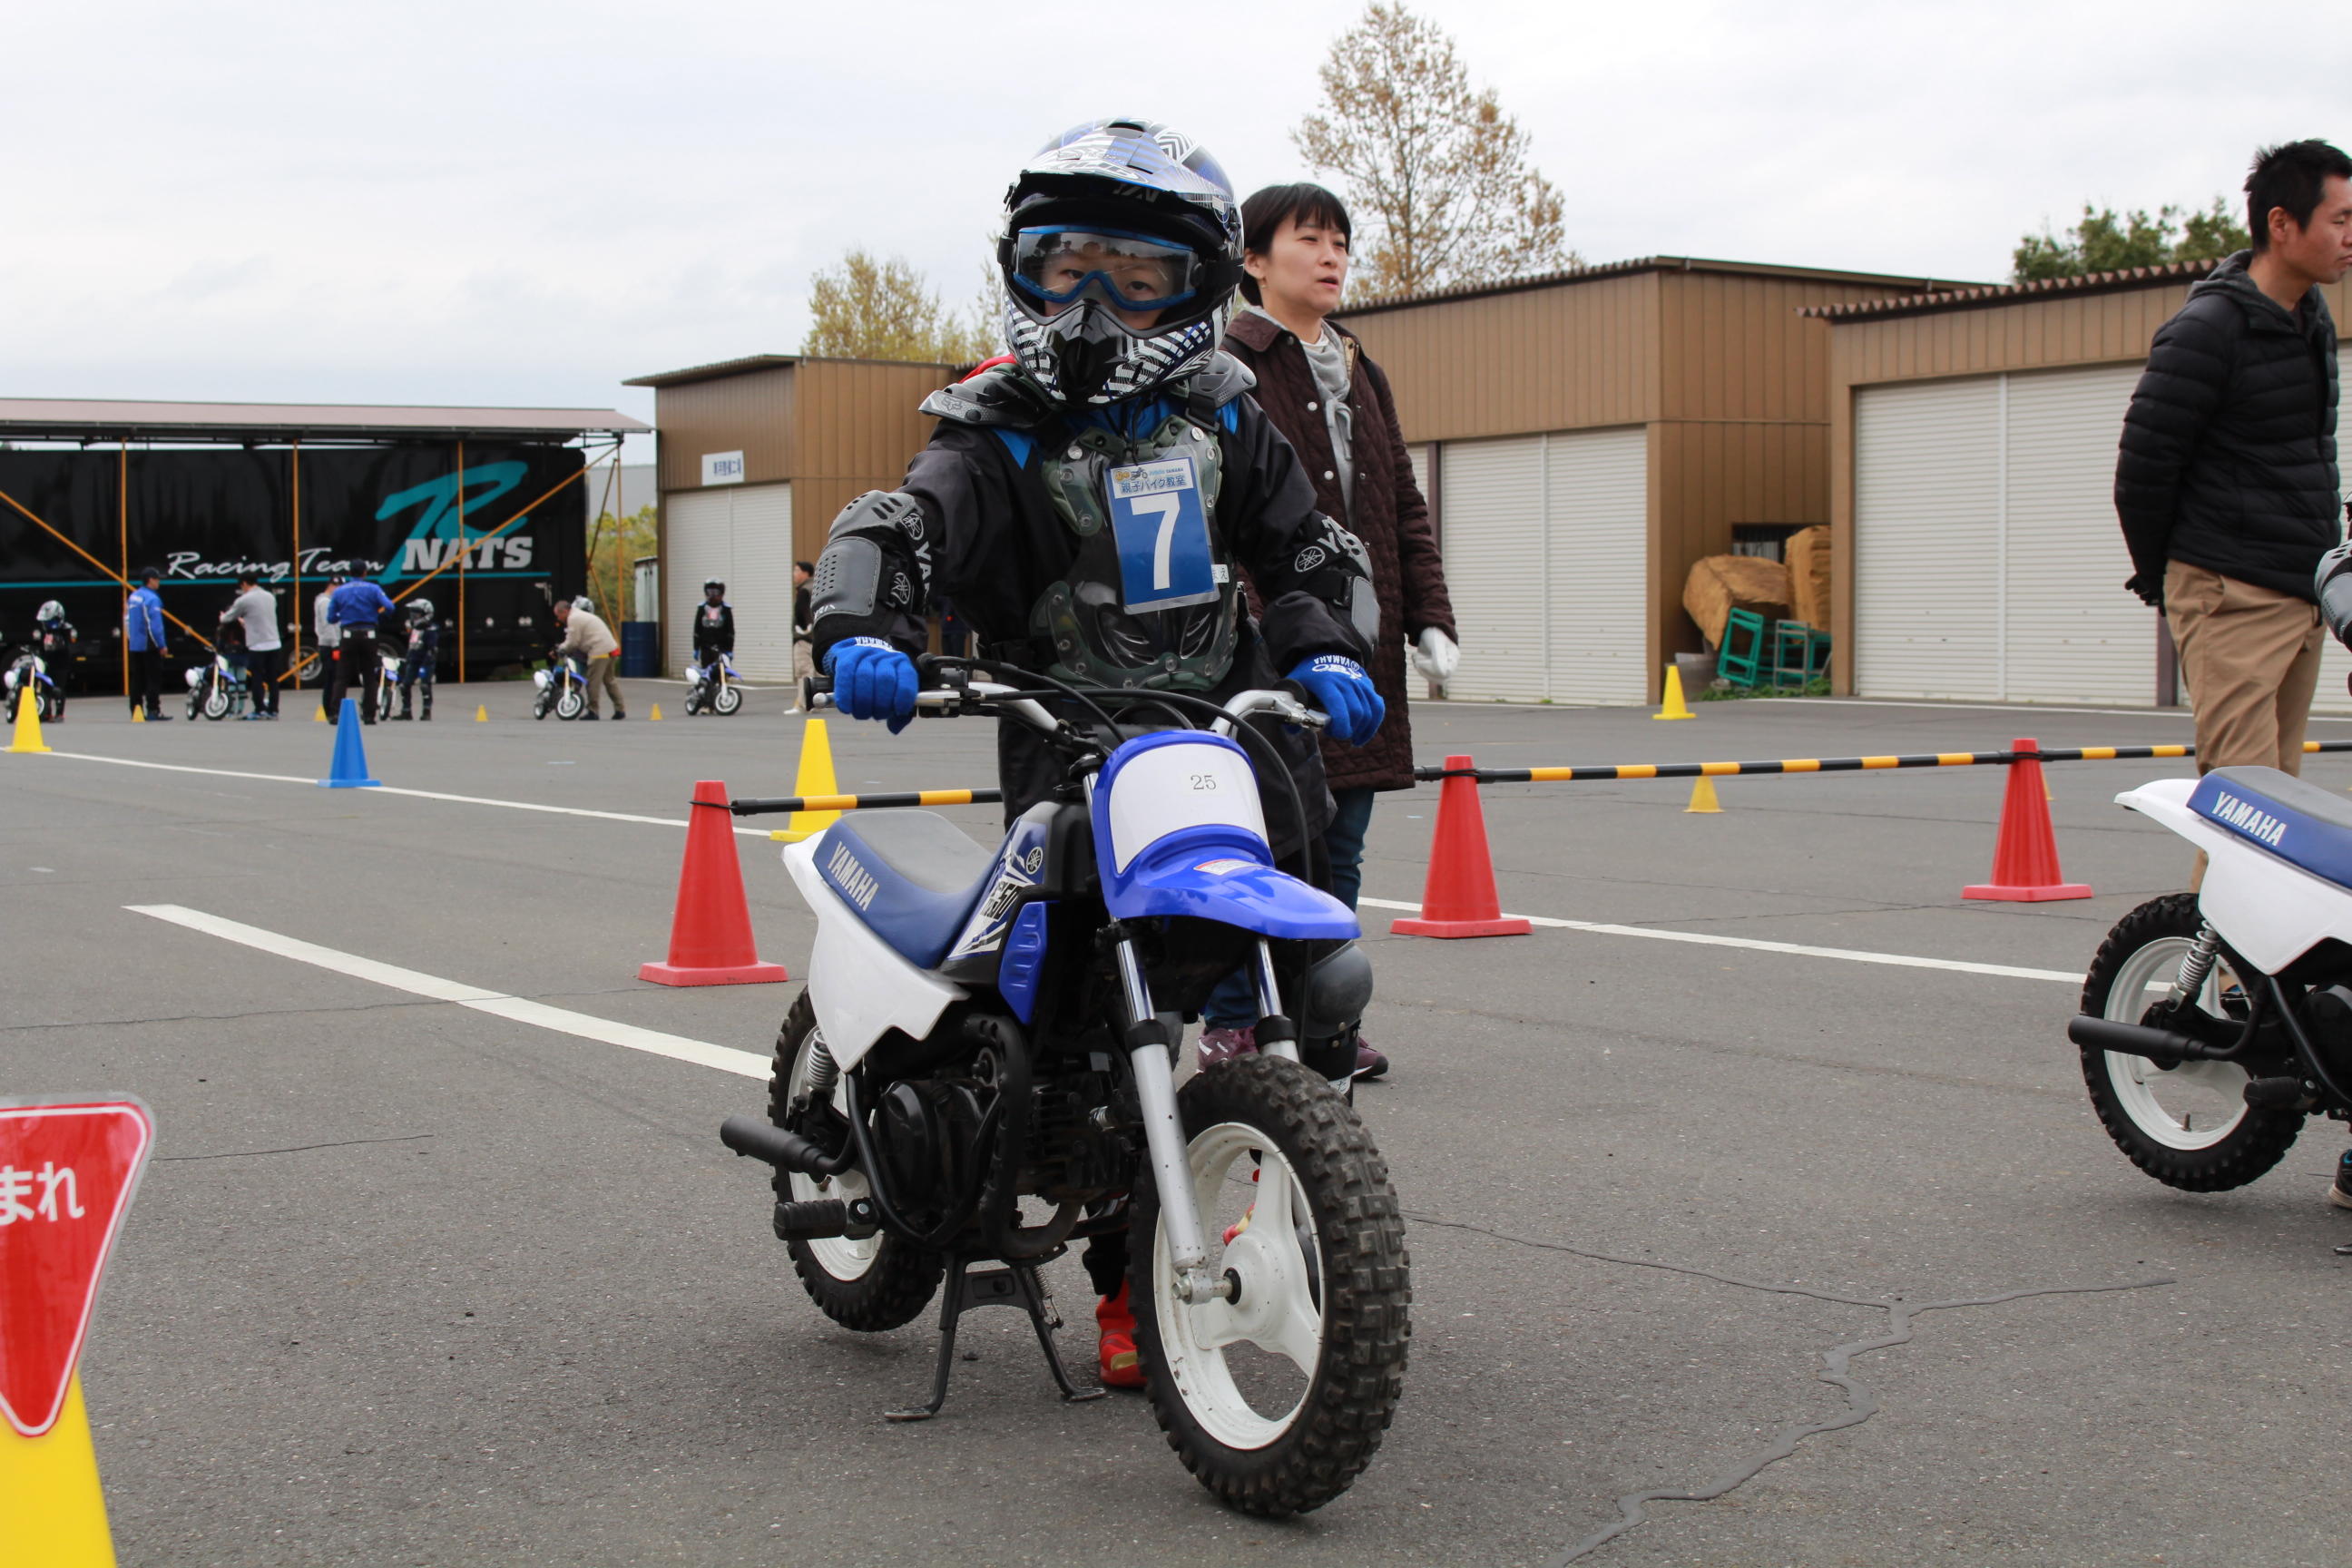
{"x": 753, "y": 414}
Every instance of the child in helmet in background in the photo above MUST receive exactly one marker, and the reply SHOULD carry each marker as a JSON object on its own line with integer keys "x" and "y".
{"x": 417, "y": 658}
{"x": 714, "y": 624}
{"x": 1121, "y": 250}
{"x": 53, "y": 639}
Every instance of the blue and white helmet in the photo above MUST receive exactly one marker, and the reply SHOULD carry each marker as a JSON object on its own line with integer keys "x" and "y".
{"x": 1121, "y": 250}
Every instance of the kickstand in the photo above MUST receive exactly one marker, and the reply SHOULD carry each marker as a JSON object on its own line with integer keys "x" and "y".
{"x": 1015, "y": 1285}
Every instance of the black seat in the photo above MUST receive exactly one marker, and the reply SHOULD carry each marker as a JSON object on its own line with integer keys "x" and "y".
{"x": 911, "y": 876}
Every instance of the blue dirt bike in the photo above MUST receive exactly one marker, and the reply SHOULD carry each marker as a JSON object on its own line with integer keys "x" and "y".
{"x": 985, "y": 1031}
{"x": 561, "y": 687}
{"x": 710, "y": 687}
{"x": 30, "y": 672}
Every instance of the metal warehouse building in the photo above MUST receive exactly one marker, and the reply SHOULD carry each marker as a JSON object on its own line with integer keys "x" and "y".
{"x": 1973, "y": 440}
{"x": 1585, "y": 438}
{"x": 757, "y": 456}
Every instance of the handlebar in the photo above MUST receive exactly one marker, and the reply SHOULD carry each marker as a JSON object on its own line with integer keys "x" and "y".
{"x": 967, "y": 697}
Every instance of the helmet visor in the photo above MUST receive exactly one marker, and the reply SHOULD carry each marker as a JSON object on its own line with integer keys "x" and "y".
{"x": 1058, "y": 265}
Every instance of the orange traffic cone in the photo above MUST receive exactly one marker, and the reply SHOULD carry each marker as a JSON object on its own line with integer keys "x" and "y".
{"x": 711, "y": 932}
{"x": 2025, "y": 855}
{"x": 1459, "y": 898}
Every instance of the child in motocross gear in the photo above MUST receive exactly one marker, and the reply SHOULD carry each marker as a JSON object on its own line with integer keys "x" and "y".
{"x": 714, "y": 624}
{"x": 1041, "y": 504}
{"x": 416, "y": 659}
{"x": 53, "y": 639}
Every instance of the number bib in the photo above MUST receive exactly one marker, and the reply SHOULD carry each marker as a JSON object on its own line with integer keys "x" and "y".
{"x": 1164, "y": 557}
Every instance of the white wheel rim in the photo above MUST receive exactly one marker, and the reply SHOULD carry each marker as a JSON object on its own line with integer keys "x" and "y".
{"x": 1275, "y": 1311}
{"x": 838, "y": 1256}
{"x": 727, "y": 699}
{"x": 2197, "y": 1104}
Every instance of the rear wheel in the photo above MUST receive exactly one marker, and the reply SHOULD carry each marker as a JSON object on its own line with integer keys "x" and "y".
{"x": 1276, "y": 1398}
{"x": 879, "y": 1282}
{"x": 726, "y": 700}
{"x": 2190, "y": 1126}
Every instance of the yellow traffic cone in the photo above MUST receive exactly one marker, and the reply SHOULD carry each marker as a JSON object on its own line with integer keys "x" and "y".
{"x": 50, "y": 1494}
{"x": 1675, "y": 707}
{"x": 317, "y": 715}
{"x": 29, "y": 724}
{"x": 815, "y": 778}
{"x": 138, "y": 715}
{"x": 1703, "y": 801}
{"x": 481, "y": 713}
{"x": 657, "y": 714}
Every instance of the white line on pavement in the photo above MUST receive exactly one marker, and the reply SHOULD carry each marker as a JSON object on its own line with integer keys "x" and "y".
{"x": 393, "y": 789}
{"x": 1852, "y": 955}
{"x": 678, "y": 1047}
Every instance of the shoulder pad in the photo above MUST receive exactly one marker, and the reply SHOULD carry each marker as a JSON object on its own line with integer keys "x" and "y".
{"x": 1219, "y": 382}
{"x": 1000, "y": 396}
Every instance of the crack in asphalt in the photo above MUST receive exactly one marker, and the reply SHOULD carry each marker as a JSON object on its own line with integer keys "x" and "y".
{"x": 1861, "y": 1402}
{"x": 298, "y": 1149}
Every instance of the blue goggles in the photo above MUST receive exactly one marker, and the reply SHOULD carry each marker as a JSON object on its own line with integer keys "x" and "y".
{"x": 1129, "y": 271}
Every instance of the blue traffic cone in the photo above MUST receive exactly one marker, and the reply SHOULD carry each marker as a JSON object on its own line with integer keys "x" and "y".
{"x": 349, "y": 770}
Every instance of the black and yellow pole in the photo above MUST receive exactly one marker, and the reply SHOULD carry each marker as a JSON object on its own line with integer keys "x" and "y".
{"x": 1595, "y": 771}
{"x": 793, "y": 803}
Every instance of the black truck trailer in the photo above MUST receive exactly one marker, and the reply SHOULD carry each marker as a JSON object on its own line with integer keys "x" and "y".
{"x": 491, "y": 533}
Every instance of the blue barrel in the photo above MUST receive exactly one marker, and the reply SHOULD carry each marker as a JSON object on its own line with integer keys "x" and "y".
{"x": 640, "y": 649}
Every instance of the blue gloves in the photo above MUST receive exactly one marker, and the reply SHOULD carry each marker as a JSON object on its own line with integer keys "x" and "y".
{"x": 871, "y": 680}
{"x": 1341, "y": 689}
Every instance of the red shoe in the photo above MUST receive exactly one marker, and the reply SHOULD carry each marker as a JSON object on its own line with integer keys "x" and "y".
{"x": 1122, "y": 1364}
{"x": 1369, "y": 1063}
{"x": 1218, "y": 1046}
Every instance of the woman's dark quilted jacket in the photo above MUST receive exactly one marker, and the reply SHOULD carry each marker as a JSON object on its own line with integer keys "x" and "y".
{"x": 2228, "y": 449}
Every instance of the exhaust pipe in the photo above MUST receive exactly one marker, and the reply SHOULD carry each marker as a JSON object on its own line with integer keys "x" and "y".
{"x": 785, "y": 1150}
{"x": 2165, "y": 1047}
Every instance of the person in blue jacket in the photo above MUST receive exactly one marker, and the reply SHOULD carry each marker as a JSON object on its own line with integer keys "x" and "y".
{"x": 143, "y": 633}
{"x": 357, "y": 607}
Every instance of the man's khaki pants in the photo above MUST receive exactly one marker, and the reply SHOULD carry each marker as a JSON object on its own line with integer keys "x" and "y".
{"x": 604, "y": 674}
{"x": 2250, "y": 657}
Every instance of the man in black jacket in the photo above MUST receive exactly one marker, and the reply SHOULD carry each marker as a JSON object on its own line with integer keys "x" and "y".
{"x": 2227, "y": 485}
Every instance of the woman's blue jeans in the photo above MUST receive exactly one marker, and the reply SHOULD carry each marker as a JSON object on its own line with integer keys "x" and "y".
{"x": 1234, "y": 1002}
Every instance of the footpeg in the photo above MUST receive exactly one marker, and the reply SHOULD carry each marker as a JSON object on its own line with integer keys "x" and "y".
{"x": 2277, "y": 1094}
{"x": 812, "y": 1221}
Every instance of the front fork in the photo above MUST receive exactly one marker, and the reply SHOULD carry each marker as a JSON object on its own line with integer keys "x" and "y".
{"x": 1149, "y": 1041}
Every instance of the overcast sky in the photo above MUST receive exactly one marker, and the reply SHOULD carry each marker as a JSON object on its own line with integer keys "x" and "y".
{"x": 502, "y": 202}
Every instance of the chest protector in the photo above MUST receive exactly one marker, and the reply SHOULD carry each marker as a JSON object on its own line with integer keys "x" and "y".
{"x": 1096, "y": 639}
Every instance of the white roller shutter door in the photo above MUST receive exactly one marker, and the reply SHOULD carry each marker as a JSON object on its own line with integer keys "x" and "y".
{"x": 1493, "y": 566}
{"x": 1926, "y": 549}
{"x": 697, "y": 544}
{"x": 2075, "y": 635}
{"x": 762, "y": 588}
{"x": 1597, "y": 499}
{"x": 743, "y": 537}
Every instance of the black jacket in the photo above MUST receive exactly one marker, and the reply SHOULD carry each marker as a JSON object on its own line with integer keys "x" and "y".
{"x": 992, "y": 541}
{"x": 714, "y": 627}
{"x": 2229, "y": 448}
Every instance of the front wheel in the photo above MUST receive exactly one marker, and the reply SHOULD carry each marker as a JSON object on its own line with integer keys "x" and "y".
{"x": 2190, "y": 1126}
{"x": 876, "y": 1283}
{"x": 571, "y": 704}
{"x": 1276, "y": 1398}
{"x": 216, "y": 703}
{"x": 726, "y": 700}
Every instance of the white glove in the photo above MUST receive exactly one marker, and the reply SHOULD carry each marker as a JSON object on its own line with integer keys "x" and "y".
{"x": 1436, "y": 656}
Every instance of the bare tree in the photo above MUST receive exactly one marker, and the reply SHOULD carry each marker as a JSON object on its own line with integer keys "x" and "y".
{"x": 870, "y": 309}
{"x": 1436, "y": 173}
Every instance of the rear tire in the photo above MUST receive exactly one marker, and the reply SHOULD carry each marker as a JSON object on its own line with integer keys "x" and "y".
{"x": 2152, "y": 1112}
{"x": 1339, "y": 1265}
{"x": 881, "y": 1283}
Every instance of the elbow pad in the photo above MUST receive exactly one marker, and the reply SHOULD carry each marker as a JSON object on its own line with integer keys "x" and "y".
{"x": 876, "y": 565}
{"x": 1338, "y": 569}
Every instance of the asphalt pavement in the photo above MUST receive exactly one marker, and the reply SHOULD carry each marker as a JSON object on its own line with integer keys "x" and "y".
{"x": 411, "y": 1282}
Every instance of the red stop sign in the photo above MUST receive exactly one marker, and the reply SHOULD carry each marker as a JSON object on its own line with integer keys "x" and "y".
{"x": 67, "y": 1168}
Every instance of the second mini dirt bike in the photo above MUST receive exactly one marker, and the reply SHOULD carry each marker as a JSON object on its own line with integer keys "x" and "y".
{"x": 30, "y": 672}
{"x": 985, "y": 1030}
{"x": 711, "y": 689}
{"x": 562, "y": 689}
{"x": 217, "y": 687}
{"x": 2214, "y": 1022}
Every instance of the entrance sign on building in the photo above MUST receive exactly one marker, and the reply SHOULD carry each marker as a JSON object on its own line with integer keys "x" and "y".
{"x": 722, "y": 468}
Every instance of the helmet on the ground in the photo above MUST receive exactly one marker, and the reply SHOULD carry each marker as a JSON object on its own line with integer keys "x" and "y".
{"x": 50, "y": 610}
{"x": 420, "y": 610}
{"x": 1121, "y": 250}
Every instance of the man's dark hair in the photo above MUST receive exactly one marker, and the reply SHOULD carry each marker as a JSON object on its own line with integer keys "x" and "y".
{"x": 248, "y": 579}
{"x": 1264, "y": 213}
{"x": 2290, "y": 177}
{"x": 807, "y": 566}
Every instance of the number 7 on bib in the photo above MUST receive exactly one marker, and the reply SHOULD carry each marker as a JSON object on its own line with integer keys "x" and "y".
{"x": 1164, "y": 558}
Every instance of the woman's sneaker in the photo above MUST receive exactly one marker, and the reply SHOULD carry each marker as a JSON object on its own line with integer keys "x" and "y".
{"x": 2340, "y": 1194}
{"x": 1121, "y": 1362}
